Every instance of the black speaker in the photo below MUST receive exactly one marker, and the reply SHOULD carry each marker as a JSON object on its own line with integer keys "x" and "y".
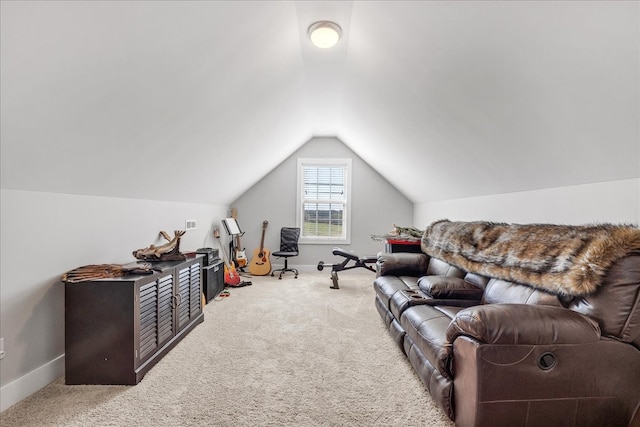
{"x": 210, "y": 255}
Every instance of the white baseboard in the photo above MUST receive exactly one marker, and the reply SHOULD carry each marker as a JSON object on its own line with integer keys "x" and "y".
{"x": 25, "y": 386}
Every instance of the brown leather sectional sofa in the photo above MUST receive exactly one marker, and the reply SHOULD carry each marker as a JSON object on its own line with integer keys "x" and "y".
{"x": 494, "y": 352}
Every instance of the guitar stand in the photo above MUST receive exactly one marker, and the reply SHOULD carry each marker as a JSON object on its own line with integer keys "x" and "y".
{"x": 348, "y": 256}
{"x": 233, "y": 250}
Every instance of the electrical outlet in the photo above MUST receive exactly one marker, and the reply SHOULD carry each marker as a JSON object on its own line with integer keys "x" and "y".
{"x": 2, "y": 348}
{"x": 189, "y": 224}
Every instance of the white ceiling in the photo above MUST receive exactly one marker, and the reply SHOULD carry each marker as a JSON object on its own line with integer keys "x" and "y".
{"x": 445, "y": 99}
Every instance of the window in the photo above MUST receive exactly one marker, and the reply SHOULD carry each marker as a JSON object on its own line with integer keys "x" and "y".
{"x": 324, "y": 197}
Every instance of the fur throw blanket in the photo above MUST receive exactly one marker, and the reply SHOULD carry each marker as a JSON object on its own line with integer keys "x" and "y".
{"x": 562, "y": 259}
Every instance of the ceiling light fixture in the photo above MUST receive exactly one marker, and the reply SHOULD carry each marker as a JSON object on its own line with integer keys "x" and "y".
{"x": 324, "y": 34}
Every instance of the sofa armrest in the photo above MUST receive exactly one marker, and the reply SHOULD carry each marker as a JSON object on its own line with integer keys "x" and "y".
{"x": 402, "y": 264}
{"x": 523, "y": 324}
{"x": 442, "y": 287}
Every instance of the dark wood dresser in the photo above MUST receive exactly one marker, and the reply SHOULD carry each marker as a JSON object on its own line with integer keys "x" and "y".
{"x": 117, "y": 329}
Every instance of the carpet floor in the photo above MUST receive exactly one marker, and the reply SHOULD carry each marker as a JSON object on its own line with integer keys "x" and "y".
{"x": 289, "y": 352}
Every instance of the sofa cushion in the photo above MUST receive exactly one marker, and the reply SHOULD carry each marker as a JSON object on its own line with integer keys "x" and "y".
{"x": 426, "y": 326}
{"x": 502, "y": 291}
{"x": 387, "y": 286}
{"x": 383, "y": 310}
{"x": 406, "y": 298}
{"x": 440, "y": 268}
{"x": 440, "y": 388}
{"x": 449, "y": 287}
{"x": 402, "y": 264}
{"x": 616, "y": 303}
{"x": 476, "y": 279}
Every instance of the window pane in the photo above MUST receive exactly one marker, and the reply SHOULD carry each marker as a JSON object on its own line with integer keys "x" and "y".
{"x": 324, "y": 183}
{"x": 323, "y": 220}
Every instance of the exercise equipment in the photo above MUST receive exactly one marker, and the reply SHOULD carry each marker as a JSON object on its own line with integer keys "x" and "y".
{"x": 344, "y": 265}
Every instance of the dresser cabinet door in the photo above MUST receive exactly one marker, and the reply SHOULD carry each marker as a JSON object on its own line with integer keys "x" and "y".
{"x": 156, "y": 315}
{"x": 189, "y": 290}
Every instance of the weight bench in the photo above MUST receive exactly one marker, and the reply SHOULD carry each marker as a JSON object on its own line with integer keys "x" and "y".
{"x": 348, "y": 256}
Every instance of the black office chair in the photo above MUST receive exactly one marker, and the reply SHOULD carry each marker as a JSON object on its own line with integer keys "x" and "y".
{"x": 289, "y": 237}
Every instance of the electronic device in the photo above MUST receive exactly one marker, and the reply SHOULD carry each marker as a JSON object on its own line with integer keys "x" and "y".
{"x": 211, "y": 255}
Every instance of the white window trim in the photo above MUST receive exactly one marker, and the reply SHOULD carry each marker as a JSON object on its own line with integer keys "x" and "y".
{"x": 347, "y": 216}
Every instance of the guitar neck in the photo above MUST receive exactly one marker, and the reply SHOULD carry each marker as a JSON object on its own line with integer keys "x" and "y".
{"x": 224, "y": 252}
{"x": 264, "y": 229}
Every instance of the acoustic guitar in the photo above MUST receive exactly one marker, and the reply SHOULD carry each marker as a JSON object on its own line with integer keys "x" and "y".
{"x": 260, "y": 264}
{"x": 240, "y": 255}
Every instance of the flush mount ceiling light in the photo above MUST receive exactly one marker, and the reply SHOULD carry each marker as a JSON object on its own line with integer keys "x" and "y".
{"x": 324, "y": 34}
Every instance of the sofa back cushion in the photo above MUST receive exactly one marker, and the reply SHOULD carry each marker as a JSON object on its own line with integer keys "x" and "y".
{"x": 441, "y": 268}
{"x": 616, "y": 303}
{"x": 401, "y": 264}
{"x": 502, "y": 291}
{"x": 476, "y": 279}
{"x": 447, "y": 287}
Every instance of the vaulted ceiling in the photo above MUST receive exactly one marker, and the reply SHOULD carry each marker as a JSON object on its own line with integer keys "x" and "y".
{"x": 446, "y": 99}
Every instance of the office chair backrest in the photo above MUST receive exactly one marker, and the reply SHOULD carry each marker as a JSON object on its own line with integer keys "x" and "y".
{"x": 289, "y": 237}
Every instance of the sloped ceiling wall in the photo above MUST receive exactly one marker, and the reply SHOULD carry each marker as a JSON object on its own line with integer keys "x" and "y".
{"x": 445, "y": 99}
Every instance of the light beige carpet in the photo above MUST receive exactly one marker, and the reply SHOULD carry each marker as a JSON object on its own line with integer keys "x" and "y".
{"x": 289, "y": 352}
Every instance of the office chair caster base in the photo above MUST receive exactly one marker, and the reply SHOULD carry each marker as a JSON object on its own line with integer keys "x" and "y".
{"x": 294, "y": 271}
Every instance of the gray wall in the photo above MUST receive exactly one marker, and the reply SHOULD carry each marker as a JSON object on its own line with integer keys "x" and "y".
{"x": 44, "y": 235}
{"x": 376, "y": 206}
